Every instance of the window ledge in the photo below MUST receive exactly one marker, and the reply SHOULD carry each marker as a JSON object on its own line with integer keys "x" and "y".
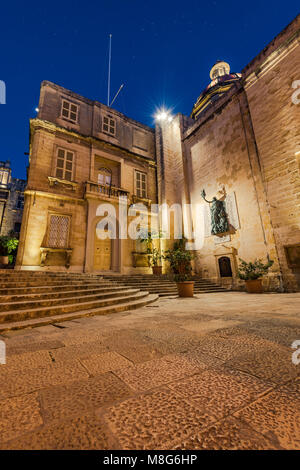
{"x": 136, "y": 199}
{"x": 46, "y": 250}
{"x": 69, "y": 184}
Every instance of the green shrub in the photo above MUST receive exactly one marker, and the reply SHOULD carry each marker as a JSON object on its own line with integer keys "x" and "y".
{"x": 253, "y": 270}
{"x": 180, "y": 261}
{"x": 8, "y": 245}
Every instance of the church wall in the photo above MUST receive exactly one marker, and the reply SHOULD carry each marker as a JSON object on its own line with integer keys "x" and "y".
{"x": 276, "y": 127}
{"x": 220, "y": 159}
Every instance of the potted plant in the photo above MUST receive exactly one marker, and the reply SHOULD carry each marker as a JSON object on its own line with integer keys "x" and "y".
{"x": 155, "y": 259}
{"x": 152, "y": 251}
{"x": 180, "y": 263}
{"x": 252, "y": 273}
{"x": 7, "y": 247}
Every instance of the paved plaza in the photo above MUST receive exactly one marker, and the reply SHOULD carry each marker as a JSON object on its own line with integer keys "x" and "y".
{"x": 211, "y": 372}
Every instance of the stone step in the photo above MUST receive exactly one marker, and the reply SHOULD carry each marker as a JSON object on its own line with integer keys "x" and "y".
{"x": 163, "y": 285}
{"x": 54, "y": 301}
{"x": 123, "y": 306}
{"x": 166, "y": 294}
{"x": 55, "y": 288}
{"x": 20, "y": 315}
{"x": 31, "y": 275}
{"x": 36, "y": 283}
{"x": 26, "y": 297}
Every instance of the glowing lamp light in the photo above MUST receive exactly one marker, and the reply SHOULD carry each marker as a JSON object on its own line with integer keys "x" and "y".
{"x": 163, "y": 115}
{"x": 37, "y": 110}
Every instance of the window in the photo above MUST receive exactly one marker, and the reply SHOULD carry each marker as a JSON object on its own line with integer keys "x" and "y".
{"x": 4, "y": 177}
{"x": 69, "y": 111}
{"x": 20, "y": 202}
{"x": 109, "y": 125}
{"x": 104, "y": 178}
{"x": 64, "y": 164}
{"x": 17, "y": 227}
{"x": 140, "y": 184}
{"x": 58, "y": 235}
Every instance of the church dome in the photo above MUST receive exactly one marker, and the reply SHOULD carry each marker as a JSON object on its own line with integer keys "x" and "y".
{"x": 221, "y": 81}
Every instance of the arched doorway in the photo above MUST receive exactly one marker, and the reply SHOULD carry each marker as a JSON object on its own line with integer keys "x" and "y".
{"x": 225, "y": 266}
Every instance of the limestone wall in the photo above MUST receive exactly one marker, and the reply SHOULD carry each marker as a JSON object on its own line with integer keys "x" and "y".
{"x": 276, "y": 127}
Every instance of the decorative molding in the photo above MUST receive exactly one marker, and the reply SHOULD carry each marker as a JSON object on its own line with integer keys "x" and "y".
{"x": 45, "y": 251}
{"x": 68, "y": 184}
{"x": 223, "y": 239}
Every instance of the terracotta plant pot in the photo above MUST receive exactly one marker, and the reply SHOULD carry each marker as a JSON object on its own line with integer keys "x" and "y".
{"x": 254, "y": 286}
{"x": 185, "y": 289}
{"x": 3, "y": 259}
{"x": 157, "y": 270}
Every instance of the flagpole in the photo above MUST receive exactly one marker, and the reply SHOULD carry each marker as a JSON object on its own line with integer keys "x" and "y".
{"x": 109, "y": 67}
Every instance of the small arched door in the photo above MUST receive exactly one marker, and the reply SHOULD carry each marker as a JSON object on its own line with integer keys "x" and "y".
{"x": 225, "y": 266}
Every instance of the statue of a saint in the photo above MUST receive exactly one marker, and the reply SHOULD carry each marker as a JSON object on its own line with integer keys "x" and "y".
{"x": 219, "y": 221}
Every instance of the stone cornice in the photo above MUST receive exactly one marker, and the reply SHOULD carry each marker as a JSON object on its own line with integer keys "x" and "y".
{"x": 273, "y": 59}
{"x": 33, "y": 192}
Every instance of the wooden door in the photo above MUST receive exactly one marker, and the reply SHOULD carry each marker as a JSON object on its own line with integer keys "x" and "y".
{"x": 102, "y": 253}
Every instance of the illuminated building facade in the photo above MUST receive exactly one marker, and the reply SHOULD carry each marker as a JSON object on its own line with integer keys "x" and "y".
{"x": 241, "y": 145}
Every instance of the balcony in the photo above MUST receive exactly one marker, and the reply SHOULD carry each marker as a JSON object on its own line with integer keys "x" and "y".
{"x": 104, "y": 191}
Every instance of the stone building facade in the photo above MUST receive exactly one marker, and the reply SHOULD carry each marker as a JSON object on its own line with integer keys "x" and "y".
{"x": 241, "y": 144}
{"x": 82, "y": 154}
{"x": 11, "y": 200}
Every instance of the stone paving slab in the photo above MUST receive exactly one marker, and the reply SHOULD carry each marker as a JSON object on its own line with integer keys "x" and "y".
{"x": 19, "y": 415}
{"x": 277, "y": 416}
{"x": 78, "y": 351}
{"x": 26, "y": 360}
{"x": 220, "y": 392}
{"x": 228, "y": 434}
{"x": 84, "y": 432}
{"x": 64, "y": 401}
{"x": 151, "y": 374}
{"x": 154, "y": 420}
{"x": 29, "y": 380}
{"x": 100, "y": 363}
{"x": 273, "y": 363}
{"x": 213, "y": 372}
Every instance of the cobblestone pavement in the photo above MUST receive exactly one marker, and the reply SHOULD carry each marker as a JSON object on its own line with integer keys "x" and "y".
{"x": 212, "y": 372}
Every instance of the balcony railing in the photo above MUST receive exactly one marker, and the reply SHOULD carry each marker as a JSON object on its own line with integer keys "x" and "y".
{"x": 105, "y": 190}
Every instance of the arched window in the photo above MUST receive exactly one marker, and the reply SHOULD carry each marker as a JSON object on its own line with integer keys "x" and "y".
{"x": 104, "y": 176}
{"x": 225, "y": 266}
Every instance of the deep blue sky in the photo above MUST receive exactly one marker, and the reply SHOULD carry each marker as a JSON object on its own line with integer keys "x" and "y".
{"x": 162, "y": 51}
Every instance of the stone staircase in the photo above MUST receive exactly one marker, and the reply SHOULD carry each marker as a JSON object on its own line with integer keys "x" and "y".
{"x": 35, "y": 298}
{"x": 162, "y": 285}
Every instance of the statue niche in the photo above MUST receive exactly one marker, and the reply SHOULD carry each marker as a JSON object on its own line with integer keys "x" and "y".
{"x": 219, "y": 220}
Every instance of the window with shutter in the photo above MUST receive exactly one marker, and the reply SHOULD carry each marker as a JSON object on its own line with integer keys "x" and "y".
{"x": 64, "y": 164}
{"x": 69, "y": 111}
{"x": 58, "y": 235}
{"x": 141, "y": 184}
{"x": 109, "y": 125}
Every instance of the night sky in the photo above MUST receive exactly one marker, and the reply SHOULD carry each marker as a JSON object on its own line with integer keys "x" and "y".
{"x": 161, "y": 50}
